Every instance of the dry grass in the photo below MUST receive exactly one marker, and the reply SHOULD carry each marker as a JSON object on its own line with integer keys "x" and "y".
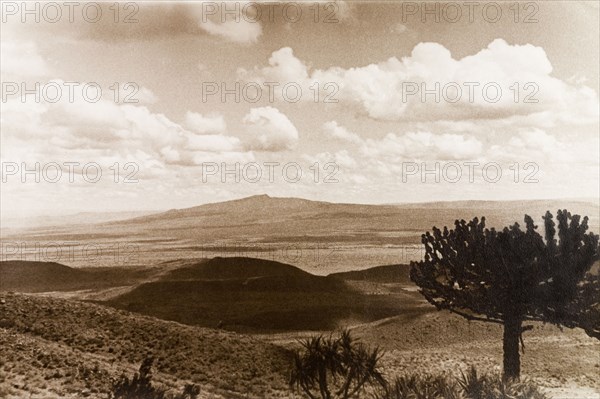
{"x": 62, "y": 348}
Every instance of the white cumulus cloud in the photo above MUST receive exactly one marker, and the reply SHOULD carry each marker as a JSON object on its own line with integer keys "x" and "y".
{"x": 205, "y": 124}
{"x": 430, "y": 84}
{"x": 269, "y": 130}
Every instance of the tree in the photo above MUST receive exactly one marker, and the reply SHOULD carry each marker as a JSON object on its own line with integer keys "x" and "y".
{"x": 512, "y": 276}
{"x": 339, "y": 367}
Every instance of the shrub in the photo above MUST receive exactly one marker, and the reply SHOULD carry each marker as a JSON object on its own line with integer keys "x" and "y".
{"x": 494, "y": 387}
{"x": 339, "y": 367}
{"x": 469, "y": 385}
{"x": 140, "y": 386}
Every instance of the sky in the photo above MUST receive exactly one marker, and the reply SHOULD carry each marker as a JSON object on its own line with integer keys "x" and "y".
{"x": 152, "y": 106}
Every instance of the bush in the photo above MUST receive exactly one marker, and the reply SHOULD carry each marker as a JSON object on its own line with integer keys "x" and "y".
{"x": 421, "y": 387}
{"x": 140, "y": 386}
{"x": 339, "y": 367}
{"x": 469, "y": 385}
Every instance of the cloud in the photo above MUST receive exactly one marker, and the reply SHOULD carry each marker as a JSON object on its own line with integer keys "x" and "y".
{"x": 152, "y": 20}
{"x": 270, "y": 130}
{"x": 205, "y": 124}
{"x": 398, "y": 28}
{"x": 569, "y": 167}
{"x": 537, "y": 145}
{"x": 21, "y": 59}
{"x": 107, "y": 131}
{"x": 216, "y": 19}
{"x": 333, "y": 129}
{"x": 343, "y": 159}
{"x": 146, "y": 96}
{"x": 284, "y": 66}
{"x": 411, "y": 145}
{"x": 535, "y": 139}
{"x": 430, "y": 84}
{"x": 232, "y": 23}
{"x": 241, "y": 31}
{"x": 213, "y": 143}
{"x": 423, "y": 145}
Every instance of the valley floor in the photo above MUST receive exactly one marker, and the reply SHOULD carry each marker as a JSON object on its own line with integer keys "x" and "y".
{"x": 230, "y": 325}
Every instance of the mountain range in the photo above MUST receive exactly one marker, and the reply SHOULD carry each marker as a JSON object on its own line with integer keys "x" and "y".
{"x": 317, "y": 236}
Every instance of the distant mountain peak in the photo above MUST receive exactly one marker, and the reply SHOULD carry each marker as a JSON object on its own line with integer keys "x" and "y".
{"x": 258, "y": 196}
{"x": 251, "y": 199}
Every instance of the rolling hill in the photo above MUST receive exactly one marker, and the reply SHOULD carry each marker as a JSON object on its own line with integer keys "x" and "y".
{"x": 233, "y": 268}
{"x": 236, "y": 293}
{"x": 29, "y": 276}
{"x": 256, "y": 295}
{"x": 33, "y": 276}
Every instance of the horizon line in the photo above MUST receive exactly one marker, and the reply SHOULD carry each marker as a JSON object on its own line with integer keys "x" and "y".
{"x": 158, "y": 211}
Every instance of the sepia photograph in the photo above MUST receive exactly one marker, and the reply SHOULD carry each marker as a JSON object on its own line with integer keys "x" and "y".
{"x": 320, "y": 199}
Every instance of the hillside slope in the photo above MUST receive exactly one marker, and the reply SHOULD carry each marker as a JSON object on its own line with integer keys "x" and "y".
{"x": 65, "y": 348}
{"x": 28, "y": 276}
{"x": 381, "y": 274}
{"x": 32, "y": 276}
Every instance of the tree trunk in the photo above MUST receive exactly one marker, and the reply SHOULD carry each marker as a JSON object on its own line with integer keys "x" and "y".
{"x": 512, "y": 363}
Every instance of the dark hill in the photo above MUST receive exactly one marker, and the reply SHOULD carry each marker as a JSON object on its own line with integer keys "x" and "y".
{"x": 247, "y": 294}
{"x": 28, "y": 276}
{"x": 243, "y": 294}
{"x": 234, "y": 268}
{"x": 380, "y": 274}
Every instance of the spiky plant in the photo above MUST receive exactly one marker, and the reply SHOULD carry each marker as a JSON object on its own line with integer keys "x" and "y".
{"x": 335, "y": 367}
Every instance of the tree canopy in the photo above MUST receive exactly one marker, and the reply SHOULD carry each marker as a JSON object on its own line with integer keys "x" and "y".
{"x": 515, "y": 274}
